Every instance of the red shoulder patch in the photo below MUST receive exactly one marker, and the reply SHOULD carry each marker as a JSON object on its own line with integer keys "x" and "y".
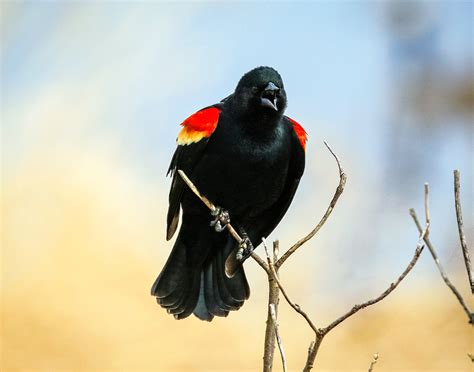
{"x": 300, "y": 132}
{"x": 198, "y": 126}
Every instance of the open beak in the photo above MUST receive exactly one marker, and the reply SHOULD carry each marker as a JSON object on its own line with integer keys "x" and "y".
{"x": 269, "y": 96}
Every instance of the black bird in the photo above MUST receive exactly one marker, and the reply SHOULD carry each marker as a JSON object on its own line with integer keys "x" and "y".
{"x": 247, "y": 158}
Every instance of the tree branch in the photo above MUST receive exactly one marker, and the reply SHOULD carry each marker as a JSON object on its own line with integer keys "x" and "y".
{"x": 270, "y": 331}
{"x": 296, "y": 307}
{"x": 320, "y": 333}
{"x": 277, "y": 335}
{"x": 332, "y": 204}
{"x": 212, "y": 207}
{"x": 411, "y": 264}
{"x": 275, "y": 286}
{"x": 469, "y": 313}
{"x": 462, "y": 237}
{"x": 375, "y": 358}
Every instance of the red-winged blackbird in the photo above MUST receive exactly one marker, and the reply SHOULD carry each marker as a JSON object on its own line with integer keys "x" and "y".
{"x": 246, "y": 157}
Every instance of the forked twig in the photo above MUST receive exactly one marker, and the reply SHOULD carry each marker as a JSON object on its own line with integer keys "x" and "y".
{"x": 320, "y": 333}
{"x": 466, "y": 309}
{"x": 375, "y": 358}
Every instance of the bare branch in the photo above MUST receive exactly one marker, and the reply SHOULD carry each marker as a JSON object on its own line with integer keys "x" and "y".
{"x": 462, "y": 237}
{"x": 375, "y": 358}
{"x": 356, "y": 308}
{"x": 208, "y": 203}
{"x": 277, "y": 335}
{"x": 270, "y": 332}
{"x": 296, "y": 307}
{"x": 469, "y": 313}
{"x": 320, "y": 333}
{"x": 261, "y": 262}
{"x": 332, "y": 204}
{"x": 271, "y": 268}
{"x": 212, "y": 207}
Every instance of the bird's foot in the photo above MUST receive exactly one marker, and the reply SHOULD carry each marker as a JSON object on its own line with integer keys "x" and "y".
{"x": 221, "y": 219}
{"x": 245, "y": 248}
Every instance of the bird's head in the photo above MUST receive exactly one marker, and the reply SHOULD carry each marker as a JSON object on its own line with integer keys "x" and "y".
{"x": 261, "y": 92}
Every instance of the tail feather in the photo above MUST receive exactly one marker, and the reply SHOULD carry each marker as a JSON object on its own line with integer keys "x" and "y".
{"x": 191, "y": 298}
{"x": 201, "y": 309}
{"x": 190, "y": 283}
{"x": 214, "y": 302}
{"x": 169, "y": 282}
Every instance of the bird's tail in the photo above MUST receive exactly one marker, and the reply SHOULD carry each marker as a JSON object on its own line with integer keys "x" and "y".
{"x": 184, "y": 287}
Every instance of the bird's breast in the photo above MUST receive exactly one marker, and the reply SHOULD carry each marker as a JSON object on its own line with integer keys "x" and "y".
{"x": 245, "y": 175}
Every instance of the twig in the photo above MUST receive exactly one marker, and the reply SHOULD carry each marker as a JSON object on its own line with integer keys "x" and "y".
{"x": 356, "y": 308}
{"x": 332, "y": 204}
{"x": 320, "y": 333}
{"x": 469, "y": 313}
{"x": 208, "y": 203}
{"x": 277, "y": 335}
{"x": 462, "y": 237}
{"x": 212, "y": 207}
{"x": 296, "y": 307}
{"x": 273, "y": 300}
{"x": 375, "y": 358}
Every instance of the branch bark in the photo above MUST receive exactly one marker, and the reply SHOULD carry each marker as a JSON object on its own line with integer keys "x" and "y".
{"x": 375, "y": 358}
{"x": 270, "y": 331}
{"x": 277, "y": 335}
{"x": 462, "y": 237}
{"x": 432, "y": 250}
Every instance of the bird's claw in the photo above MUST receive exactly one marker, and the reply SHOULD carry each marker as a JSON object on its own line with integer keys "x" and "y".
{"x": 245, "y": 248}
{"x": 221, "y": 219}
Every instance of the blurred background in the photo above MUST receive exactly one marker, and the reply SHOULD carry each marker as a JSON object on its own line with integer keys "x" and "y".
{"x": 92, "y": 94}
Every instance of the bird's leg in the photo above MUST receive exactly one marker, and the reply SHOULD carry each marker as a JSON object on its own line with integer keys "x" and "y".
{"x": 245, "y": 247}
{"x": 221, "y": 219}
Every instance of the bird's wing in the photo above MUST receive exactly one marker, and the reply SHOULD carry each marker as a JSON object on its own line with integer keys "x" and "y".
{"x": 273, "y": 216}
{"x": 191, "y": 141}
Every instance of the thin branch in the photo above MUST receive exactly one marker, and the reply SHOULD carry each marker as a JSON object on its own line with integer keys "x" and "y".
{"x": 427, "y": 207}
{"x": 332, "y": 204}
{"x": 273, "y": 300}
{"x": 208, "y": 203}
{"x": 296, "y": 307}
{"x": 261, "y": 262}
{"x": 356, "y": 308}
{"x": 320, "y": 333}
{"x": 277, "y": 335}
{"x": 375, "y": 358}
{"x": 462, "y": 237}
{"x": 212, "y": 207}
{"x": 469, "y": 313}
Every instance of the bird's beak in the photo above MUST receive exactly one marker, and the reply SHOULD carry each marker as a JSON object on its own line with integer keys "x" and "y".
{"x": 269, "y": 96}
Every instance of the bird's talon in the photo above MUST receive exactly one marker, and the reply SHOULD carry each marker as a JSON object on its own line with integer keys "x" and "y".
{"x": 221, "y": 220}
{"x": 245, "y": 248}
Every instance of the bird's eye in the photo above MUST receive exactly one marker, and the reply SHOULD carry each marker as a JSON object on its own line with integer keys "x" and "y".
{"x": 254, "y": 90}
